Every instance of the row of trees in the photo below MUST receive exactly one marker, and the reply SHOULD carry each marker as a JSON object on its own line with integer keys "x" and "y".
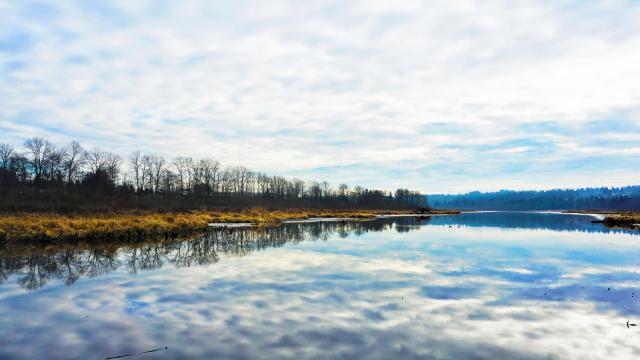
{"x": 603, "y": 198}
{"x": 70, "y": 168}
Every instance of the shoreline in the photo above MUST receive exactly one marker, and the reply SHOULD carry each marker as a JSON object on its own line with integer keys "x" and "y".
{"x": 612, "y": 218}
{"x": 52, "y": 227}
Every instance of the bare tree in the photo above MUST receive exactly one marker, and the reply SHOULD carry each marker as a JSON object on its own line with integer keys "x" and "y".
{"x": 74, "y": 160}
{"x": 298, "y": 188}
{"x": 157, "y": 163}
{"x": 195, "y": 174}
{"x": 96, "y": 160}
{"x": 37, "y": 147}
{"x": 112, "y": 163}
{"x": 6, "y": 152}
{"x": 99, "y": 160}
{"x": 53, "y": 163}
{"x": 169, "y": 180}
{"x": 6, "y": 155}
{"x": 19, "y": 164}
{"x": 343, "y": 190}
{"x": 208, "y": 170}
{"x": 147, "y": 171}
{"x": 181, "y": 164}
{"x": 135, "y": 161}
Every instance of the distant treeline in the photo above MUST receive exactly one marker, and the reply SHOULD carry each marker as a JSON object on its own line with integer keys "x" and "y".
{"x": 604, "y": 198}
{"x": 43, "y": 176}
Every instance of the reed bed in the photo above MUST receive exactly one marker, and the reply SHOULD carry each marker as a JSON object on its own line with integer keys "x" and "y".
{"x": 623, "y": 219}
{"x": 48, "y": 226}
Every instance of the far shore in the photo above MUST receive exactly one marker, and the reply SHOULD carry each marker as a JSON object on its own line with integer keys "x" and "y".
{"x": 132, "y": 225}
{"x": 613, "y": 218}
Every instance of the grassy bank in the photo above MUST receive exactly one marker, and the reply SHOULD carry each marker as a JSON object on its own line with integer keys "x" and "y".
{"x": 623, "y": 219}
{"x": 133, "y": 225}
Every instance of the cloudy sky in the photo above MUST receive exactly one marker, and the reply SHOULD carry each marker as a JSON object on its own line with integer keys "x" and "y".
{"x": 436, "y": 96}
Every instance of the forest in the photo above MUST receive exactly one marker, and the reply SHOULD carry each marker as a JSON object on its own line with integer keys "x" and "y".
{"x": 603, "y": 198}
{"x": 43, "y": 176}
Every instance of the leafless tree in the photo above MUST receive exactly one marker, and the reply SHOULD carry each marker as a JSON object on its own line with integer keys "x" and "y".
{"x": 195, "y": 174}
{"x": 99, "y": 160}
{"x": 53, "y": 163}
{"x": 181, "y": 164}
{"x": 157, "y": 164}
{"x": 208, "y": 170}
{"x": 74, "y": 160}
{"x": 6, "y": 152}
{"x": 38, "y": 148}
{"x": 343, "y": 190}
{"x": 147, "y": 172}
{"x": 135, "y": 161}
{"x": 96, "y": 159}
{"x": 112, "y": 162}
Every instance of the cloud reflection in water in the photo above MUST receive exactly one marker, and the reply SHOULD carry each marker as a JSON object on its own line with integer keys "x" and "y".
{"x": 368, "y": 291}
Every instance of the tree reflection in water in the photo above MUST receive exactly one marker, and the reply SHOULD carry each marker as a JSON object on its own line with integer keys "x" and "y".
{"x": 36, "y": 269}
{"x": 33, "y": 269}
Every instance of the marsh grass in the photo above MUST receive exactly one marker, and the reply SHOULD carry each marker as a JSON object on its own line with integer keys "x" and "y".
{"x": 43, "y": 227}
{"x": 622, "y": 219}
{"x": 50, "y": 227}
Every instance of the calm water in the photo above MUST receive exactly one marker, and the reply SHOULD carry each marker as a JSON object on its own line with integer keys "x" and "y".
{"x": 483, "y": 285}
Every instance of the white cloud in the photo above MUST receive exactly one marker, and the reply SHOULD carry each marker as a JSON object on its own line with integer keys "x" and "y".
{"x": 291, "y": 87}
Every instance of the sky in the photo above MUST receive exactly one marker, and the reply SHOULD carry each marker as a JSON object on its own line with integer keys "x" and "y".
{"x": 437, "y": 96}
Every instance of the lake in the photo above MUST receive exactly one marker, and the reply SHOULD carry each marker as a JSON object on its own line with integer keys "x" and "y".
{"x": 491, "y": 285}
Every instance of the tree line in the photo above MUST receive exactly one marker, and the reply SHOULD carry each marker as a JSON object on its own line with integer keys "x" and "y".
{"x": 42, "y": 171}
{"x": 602, "y": 198}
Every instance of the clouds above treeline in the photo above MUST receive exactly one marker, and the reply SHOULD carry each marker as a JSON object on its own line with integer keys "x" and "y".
{"x": 437, "y": 96}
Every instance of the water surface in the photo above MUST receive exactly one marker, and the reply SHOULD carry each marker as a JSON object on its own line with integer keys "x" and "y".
{"x": 480, "y": 285}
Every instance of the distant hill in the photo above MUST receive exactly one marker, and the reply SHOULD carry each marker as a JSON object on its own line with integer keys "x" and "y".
{"x": 603, "y": 198}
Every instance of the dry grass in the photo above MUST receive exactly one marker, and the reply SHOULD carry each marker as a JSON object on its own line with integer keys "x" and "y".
{"x": 622, "y": 219}
{"x": 47, "y": 227}
{"x": 54, "y": 226}
{"x": 260, "y": 216}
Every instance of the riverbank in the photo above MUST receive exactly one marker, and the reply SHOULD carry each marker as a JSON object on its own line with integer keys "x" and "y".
{"x": 50, "y": 227}
{"x": 624, "y": 219}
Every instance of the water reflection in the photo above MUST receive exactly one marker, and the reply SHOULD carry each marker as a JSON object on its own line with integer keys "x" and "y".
{"x": 36, "y": 269}
{"x": 390, "y": 288}
{"x": 528, "y": 220}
